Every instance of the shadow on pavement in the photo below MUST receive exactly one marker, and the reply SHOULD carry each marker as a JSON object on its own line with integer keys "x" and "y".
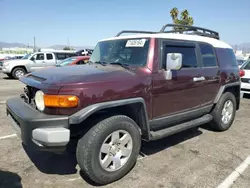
{"x": 64, "y": 164}
{"x": 51, "y": 163}
{"x": 153, "y": 147}
{"x": 8, "y": 78}
{"x": 10, "y": 180}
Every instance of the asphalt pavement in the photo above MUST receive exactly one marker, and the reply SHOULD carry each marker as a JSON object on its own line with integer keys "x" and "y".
{"x": 195, "y": 158}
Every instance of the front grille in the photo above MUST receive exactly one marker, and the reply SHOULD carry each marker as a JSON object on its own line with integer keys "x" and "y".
{"x": 245, "y": 80}
{"x": 29, "y": 96}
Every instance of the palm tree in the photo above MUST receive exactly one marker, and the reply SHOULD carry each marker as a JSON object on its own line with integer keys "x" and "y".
{"x": 174, "y": 14}
{"x": 185, "y": 18}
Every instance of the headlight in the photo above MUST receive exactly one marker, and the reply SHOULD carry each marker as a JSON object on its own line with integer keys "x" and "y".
{"x": 39, "y": 100}
{"x": 5, "y": 64}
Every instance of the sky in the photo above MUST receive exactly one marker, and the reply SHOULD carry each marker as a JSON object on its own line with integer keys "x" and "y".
{"x": 85, "y": 22}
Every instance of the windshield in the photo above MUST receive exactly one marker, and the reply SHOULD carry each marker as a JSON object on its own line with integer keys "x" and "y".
{"x": 131, "y": 52}
{"x": 66, "y": 62}
{"x": 26, "y": 56}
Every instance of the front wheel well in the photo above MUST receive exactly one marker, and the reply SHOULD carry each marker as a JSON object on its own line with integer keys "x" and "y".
{"x": 21, "y": 66}
{"x": 134, "y": 111}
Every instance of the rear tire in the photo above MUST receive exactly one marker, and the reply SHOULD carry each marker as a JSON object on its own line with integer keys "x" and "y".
{"x": 224, "y": 112}
{"x": 105, "y": 154}
{"x": 18, "y": 72}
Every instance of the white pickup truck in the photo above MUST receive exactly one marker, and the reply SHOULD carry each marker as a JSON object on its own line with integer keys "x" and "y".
{"x": 31, "y": 62}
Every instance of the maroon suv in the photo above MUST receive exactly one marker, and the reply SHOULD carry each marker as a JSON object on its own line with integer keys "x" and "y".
{"x": 135, "y": 87}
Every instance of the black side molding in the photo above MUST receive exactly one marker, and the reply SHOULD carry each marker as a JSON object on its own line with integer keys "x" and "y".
{"x": 83, "y": 114}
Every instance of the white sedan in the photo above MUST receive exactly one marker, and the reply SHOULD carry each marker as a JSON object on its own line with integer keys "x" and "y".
{"x": 245, "y": 77}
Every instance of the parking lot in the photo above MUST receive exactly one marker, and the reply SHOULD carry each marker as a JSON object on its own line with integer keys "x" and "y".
{"x": 195, "y": 158}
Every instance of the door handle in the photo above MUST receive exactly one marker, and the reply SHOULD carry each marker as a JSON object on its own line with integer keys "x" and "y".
{"x": 198, "y": 79}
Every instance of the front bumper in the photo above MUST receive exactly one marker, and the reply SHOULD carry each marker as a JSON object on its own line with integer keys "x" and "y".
{"x": 44, "y": 132}
{"x": 6, "y": 70}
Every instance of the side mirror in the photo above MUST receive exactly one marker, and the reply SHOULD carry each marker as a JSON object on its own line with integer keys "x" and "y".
{"x": 32, "y": 59}
{"x": 174, "y": 61}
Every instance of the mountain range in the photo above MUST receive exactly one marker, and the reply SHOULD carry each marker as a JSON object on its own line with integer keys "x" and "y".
{"x": 56, "y": 47}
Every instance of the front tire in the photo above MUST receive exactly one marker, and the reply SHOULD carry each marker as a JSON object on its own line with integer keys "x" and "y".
{"x": 224, "y": 112}
{"x": 109, "y": 150}
{"x": 18, "y": 72}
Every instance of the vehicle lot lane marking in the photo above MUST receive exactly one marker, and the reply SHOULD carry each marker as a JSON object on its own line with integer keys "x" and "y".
{"x": 8, "y": 136}
{"x": 229, "y": 181}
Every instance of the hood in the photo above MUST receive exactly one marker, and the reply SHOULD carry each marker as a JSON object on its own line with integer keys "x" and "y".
{"x": 17, "y": 61}
{"x": 81, "y": 73}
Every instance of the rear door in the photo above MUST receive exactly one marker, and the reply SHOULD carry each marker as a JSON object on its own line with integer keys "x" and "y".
{"x": 50, "y": 59}
{"x": 211, "y": 73}
{"x": 184, "y": 92}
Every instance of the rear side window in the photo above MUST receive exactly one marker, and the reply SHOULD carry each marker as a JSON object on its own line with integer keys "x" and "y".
{"x": 207, "y": 55}
{"x": 49, "y": 56}
{"x": 226, "y": 57}
{"x": 61, "y": 56}
{"x": 189, "y": 59}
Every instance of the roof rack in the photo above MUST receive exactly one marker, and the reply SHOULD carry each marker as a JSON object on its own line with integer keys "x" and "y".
{"x": 132, "y": 31}
{"x": 195, "y": 30}
{"x": 189, "y": 30}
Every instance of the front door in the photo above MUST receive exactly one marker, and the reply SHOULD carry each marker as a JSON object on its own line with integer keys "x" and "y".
{"x": 184, "y": 91}
{"x": 38, "y": 62}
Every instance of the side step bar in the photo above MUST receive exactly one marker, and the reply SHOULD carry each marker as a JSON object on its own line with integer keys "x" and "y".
{"x": 155, "y": 135}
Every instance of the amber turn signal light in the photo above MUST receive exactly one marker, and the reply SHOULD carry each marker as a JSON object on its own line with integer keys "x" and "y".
{"x": 60, "y": 101}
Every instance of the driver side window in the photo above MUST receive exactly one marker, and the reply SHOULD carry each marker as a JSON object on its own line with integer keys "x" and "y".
{"x": 40, "y": 56}
{"x": 37, "y": 57}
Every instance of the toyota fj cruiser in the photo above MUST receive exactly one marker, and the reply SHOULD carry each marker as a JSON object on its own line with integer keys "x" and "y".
{"x": 143, "y": 86}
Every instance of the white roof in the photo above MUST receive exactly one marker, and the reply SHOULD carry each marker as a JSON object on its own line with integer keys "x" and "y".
{"x": 214, "y": 42}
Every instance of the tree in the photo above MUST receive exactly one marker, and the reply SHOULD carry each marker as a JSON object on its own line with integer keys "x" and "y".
{"x": 185, "y": 18}
{"x": 66, "y": 48}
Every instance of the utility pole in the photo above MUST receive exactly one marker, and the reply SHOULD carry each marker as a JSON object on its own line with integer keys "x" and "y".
{"x": 68, "y": 42}
{"x": 34, "y": 44}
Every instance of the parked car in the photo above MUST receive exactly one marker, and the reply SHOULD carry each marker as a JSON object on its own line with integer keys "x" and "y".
{"x": 245, "y": 79}
{"x": 75, "y": 60}
{"x": 1, "y": 64}
{"x": 84, "y": 52}
{"x": 31, "y": 62}
{"x": 144, "y": 86}
{"x": 240, "y": 62}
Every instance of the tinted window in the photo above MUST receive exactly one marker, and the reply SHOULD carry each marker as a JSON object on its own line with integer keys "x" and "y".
{"x": 188, "y": 55}
{"x": 208, "y": 56}
{"x": 246, "y": 65}
{"x": 38, "y": 57}
{"x": 61, "y": 56}
{"x": 226, "y": 57}
{"x": 49, "y": 56}
{"x": 80, "y": 62}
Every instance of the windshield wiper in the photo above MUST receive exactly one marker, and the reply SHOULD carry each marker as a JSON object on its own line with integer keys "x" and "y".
{"x": 99, "y": 62}
{"x": 124, "y": 65}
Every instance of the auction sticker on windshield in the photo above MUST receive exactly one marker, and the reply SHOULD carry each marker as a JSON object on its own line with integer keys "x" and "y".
{"x": 136, "y": 43}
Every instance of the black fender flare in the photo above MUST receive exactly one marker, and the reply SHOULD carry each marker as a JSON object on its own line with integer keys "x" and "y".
{"x": 83, "y": 114}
